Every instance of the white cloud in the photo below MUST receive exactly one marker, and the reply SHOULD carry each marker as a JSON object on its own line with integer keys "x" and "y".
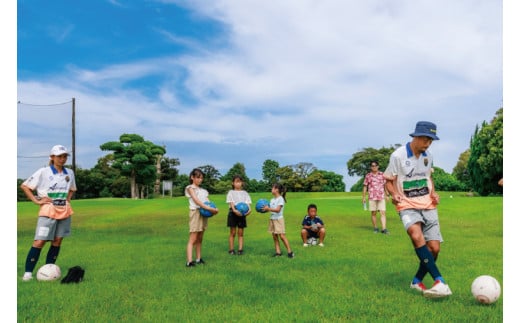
{"x": 312, "y": 80}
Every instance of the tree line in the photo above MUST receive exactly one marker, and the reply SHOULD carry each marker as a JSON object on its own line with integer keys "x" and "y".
{"x": 137, "y": 168}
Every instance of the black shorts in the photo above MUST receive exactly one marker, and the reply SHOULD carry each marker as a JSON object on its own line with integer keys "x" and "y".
{"x": 312, "y": 234}
{"x": 236, "y": 221}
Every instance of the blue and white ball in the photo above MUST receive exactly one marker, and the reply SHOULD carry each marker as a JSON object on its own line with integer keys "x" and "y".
{"x": 242, "y": 207}
{"x": 259, "y": 207}
{"x": 205, "y": 213}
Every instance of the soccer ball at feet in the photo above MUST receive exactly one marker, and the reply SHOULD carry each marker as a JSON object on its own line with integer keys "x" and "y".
{"x": 48, "y": 272}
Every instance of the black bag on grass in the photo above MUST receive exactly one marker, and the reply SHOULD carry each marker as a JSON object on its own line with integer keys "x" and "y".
{"x": 75, "y": 275}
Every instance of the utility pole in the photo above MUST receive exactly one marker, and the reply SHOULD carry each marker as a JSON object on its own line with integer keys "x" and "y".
{"x": 74, "y": 135}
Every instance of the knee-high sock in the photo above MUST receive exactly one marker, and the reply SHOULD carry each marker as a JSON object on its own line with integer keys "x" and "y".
{"x": 52, "y": 254}
{"x": 32, "y": 259}
{"x": 427, "y": 260}
{"x": 422, "y": 271}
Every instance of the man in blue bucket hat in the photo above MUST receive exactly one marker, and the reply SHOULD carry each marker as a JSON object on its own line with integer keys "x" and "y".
{"x": 409, "y": 182}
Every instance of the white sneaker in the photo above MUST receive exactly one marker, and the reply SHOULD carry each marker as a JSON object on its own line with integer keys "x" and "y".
{"x": 418, "y": 287}
{"x": 27, "y": 276}
{"x": 305, "y": 244}
{"x": 438, "y": 290}
{"x": 321, "y": 245}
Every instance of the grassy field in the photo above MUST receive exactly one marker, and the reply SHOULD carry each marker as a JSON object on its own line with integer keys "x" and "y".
{"x": 134, "y": 254}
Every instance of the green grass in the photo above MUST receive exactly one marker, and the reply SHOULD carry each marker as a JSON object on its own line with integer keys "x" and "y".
{"x": 134, "y": 255}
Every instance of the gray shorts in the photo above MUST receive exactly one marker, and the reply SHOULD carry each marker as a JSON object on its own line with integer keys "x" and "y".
{"x": 428, "y": 218}
{"x": 47, "y": 229}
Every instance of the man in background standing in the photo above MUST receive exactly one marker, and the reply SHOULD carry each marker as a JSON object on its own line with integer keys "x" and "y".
{"x": 375, "y": 185}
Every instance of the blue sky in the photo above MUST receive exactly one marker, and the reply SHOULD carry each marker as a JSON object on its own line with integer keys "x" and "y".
{"x": 220, "y": 82}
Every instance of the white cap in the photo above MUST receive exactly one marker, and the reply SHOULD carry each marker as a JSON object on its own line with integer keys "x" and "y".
{"x": 59, "y": 150}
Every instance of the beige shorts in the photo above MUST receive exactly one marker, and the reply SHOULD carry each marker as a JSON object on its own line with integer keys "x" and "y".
{"x": 277, "y": 226}
{"x": 198, "y": 223}
{"x": 378, "y": 205}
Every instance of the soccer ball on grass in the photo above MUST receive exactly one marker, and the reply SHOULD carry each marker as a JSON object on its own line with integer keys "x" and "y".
{"x": 486, "y": 289}
{"x": 48, "y": 272}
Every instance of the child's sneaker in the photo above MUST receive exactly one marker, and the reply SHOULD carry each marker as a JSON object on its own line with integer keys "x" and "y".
{"x": 321, "y": 245}
{"x": 290, "y": 254}
{"x": 200, "y": 262}
{"x": 231, "y": 252}
{"x": 305, "y": 244}
{"x": 240, "y": 252}
{"x": 27, "y": 277}
{"x": 190, "y": 264}
{"x": 438, "y": 290}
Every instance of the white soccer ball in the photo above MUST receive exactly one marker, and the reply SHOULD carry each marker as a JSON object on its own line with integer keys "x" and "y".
{"x": 486, "y": 289}
{"x": 312, "y": 241}
{"x": 48, "y": 272}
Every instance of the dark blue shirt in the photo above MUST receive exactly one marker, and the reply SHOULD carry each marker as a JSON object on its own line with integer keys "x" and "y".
{"x": 308, "y": 221}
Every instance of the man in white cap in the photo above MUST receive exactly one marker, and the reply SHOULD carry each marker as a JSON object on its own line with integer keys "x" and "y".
{"x": 54, "y": 186}
{"x": 410, "y": 184}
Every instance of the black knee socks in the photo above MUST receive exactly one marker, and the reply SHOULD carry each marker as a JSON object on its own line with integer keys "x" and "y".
{"x": 32, "y": 259}
{"x": 52, "y": 255}
{"x": 428, "y": 262}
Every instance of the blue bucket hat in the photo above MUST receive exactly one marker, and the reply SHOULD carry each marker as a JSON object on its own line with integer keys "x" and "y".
{"x": 425, "y": 128}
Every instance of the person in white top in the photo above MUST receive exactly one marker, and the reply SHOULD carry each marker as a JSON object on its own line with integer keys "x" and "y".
{"x": 410, "y": 183}
{"x": 196, "y": 197}
{"x": 54, "y": 186}
{"x": 235, "y": 218}
{"x": 276, "y": 221}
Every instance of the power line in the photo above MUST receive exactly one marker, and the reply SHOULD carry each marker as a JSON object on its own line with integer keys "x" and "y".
{"x": 44, "y": 105}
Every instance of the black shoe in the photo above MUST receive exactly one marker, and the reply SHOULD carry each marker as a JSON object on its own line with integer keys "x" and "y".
{"x": 200, "y": 262}
{"x": 290, "y": 255}
{"x": 385, "y": 231}
{"x": 231, "y": 252}
{"x": 376, "y": 230}
{"x": 190, "y": 264}
{"x": 240, "y": 252}
{"x": 277, "y": 255}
